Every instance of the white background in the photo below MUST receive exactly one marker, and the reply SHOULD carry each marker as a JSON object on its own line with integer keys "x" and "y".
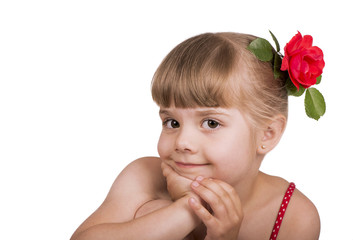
{"x": 75, "y": 104}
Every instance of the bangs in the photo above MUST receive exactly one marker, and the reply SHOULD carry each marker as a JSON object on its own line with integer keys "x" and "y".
{"x": 196, "y": 73}
{"x": 216, "y": 70}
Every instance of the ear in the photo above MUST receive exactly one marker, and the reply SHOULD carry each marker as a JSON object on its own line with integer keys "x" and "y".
{"x": 271, "y": 134}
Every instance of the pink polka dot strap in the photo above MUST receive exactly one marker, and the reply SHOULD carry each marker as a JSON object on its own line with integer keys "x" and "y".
{"x": 282, "y": 210}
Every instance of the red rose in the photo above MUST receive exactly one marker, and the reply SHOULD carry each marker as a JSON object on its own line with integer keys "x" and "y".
{"x": 303, "y": 61}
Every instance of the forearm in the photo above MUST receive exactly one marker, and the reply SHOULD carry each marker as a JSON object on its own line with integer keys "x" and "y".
{"x": 171, "y": 222}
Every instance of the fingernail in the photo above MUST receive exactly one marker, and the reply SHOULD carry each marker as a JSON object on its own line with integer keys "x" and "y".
{"x": 192, "y": 200}
{"x": 199, "y": 178}
{"x": 195, "y": 184}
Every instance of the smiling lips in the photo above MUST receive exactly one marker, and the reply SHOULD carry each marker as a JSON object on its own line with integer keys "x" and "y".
{"x": 189, "y": 165}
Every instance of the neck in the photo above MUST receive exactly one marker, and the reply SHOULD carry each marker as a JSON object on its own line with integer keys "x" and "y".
{"x": 250, "y": 184}
{"x": 245, "y": 190}
{"x": 248, "y": 189}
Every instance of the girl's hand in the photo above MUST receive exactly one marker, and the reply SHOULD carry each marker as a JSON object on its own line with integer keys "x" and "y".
{"x": 225, "y": 218}
{"x": 177, "y": 185}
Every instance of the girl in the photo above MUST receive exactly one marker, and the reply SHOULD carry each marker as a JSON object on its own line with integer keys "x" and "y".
{"x": 222, "y": 111}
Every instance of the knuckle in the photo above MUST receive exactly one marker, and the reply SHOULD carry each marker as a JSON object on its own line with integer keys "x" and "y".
{"x": 165, "y": 172}
{"x": 215, "y": 200}
{"x": 233, "y": 192}
{"x": 222, "y": 232}
{"x": 208, "y": 217}
{"x": 224, "y": 195}
{"x": 237, "y": 219}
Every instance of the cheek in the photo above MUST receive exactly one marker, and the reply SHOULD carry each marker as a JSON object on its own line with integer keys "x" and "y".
{"x": 232, "y": 146}
{"x": 231, "y": 156}
{"x": 163, "y": 146}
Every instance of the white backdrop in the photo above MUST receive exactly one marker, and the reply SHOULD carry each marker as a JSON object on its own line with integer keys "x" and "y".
{"x": 75, "y": 104}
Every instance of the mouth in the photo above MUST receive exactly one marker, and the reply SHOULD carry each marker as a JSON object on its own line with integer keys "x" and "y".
{"x": 189, "y": 165}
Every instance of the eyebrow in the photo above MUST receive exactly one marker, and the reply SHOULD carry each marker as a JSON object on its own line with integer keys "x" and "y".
{"x": 199, "y": 112}
{"x": 211, "y": 112}
{"x": 163, "y": 111}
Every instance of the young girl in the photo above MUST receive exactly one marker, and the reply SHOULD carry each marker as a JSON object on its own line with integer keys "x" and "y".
{"x": 222, "y": 111}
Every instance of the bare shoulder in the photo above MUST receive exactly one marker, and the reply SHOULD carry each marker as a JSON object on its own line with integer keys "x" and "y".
{"x": 141, "y": 177}
{"x": 140, "y": 181}
{"x": 301, "y": 220}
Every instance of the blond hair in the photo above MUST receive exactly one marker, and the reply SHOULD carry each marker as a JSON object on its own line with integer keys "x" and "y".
{"x": 216, "y": 70}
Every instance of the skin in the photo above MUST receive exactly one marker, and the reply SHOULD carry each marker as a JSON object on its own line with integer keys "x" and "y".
{"x": 205, "y": 185}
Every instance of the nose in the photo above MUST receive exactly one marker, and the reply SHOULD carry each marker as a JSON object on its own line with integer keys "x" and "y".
{"x": 186, "y": 141}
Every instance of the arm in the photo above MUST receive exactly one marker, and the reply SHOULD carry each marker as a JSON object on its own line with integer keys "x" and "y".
{"x": 174, "y": 222}
{"x": 138, "y": 184}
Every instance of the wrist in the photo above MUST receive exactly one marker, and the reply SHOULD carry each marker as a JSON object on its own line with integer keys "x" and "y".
{"x": 183, "y": 203}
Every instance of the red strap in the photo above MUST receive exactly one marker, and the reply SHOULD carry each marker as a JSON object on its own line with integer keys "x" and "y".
{"x": 282, "y": 210}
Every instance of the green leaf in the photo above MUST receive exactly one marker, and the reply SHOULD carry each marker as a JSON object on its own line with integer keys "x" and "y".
{"x": 277, "y": 66}
{"x": 262, "y": 49}
{"x": 292, "y": 89}
{"x": 276, "y": 41}
{"x": 315, "y": 105}
{"x": 318, "y": 79}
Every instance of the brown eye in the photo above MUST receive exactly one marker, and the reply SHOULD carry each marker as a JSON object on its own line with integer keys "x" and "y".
{"x": 210, "y": 124}
{"x": 171, "y": 123}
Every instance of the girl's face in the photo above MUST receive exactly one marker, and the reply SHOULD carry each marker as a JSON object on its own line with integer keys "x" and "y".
{"x": 210, "y": 142}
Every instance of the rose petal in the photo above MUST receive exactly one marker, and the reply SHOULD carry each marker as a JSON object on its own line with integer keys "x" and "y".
{"x": 295, "y": 66}
{"x": 309, "y": 82}
{"x": 293, "y": 44}
{"x": 315, "y": 71}
{"x": 313, "y": 52}
{"x": 284, "y": 65}
{"x": 306, "y": 42}
{"x": 304, "y": 67}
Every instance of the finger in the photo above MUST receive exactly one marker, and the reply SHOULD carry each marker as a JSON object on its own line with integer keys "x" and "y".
{"x": 205, "y": 216}
{"x": 219, "y": 205}
{"x": 222, "y": 198}
{"x": 226, "y": 193}
{"x": 231, "y": 193}
{"x": 236, "y": 214}
{"x": 222, "y": 189}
